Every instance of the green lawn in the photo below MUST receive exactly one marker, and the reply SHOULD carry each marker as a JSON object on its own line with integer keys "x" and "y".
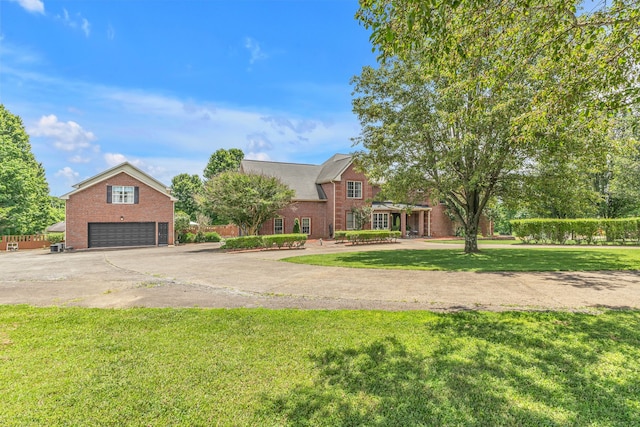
{"x": 71, "y": 366}
{"x": 491, "y": 259}
{"x": 480, "y": 242}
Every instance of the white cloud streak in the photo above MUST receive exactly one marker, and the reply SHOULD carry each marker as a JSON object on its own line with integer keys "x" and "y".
{"x": 257, "y": 54}
{"x": 33, "y": 6}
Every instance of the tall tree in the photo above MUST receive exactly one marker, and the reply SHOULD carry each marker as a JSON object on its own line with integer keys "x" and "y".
{"x": 24, "y": 193}
{"x": 186, "y": 188}
{"x": 222, "y": 161}
{"x": 247, "y": 200}
{"x": 470, "y": 92}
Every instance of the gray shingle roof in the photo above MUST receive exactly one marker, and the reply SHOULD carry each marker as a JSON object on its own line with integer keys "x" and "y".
{"x": 304, "y": 179}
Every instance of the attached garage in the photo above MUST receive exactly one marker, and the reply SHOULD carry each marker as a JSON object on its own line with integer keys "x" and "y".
{"x": 113, "y": 234}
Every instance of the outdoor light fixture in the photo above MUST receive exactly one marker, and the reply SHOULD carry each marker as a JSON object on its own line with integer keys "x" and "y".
{"x": 121, "y": 218}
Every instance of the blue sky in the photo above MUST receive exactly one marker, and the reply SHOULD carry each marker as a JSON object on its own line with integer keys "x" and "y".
{"x": 163, "y": 84}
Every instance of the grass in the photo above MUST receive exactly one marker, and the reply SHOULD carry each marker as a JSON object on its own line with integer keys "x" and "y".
{"x": 72, "y": 366}
{"x": 492, "y": 259}
{"x": 480, "y": 242}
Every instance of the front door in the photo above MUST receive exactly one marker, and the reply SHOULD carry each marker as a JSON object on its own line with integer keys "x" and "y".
{"x": 163, "y": 233}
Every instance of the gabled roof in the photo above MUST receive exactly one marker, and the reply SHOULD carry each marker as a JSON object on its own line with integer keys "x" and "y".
{"x": 304, "y": 179}
{"x": 130, "y": 170}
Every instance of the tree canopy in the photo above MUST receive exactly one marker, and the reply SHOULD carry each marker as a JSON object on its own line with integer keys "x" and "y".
{"x": 186, "y": 188}
{"x": 222, "y": 161}
{"x": 247, "y": 200}
{"x": 25, "y": 205}
{"x": 471, "y": 93}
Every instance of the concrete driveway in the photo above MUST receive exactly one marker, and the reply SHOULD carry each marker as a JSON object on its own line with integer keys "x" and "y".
{"x": 202, "y": 276}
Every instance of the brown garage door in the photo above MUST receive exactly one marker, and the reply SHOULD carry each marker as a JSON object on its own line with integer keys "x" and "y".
{"x": 110, "y": 234}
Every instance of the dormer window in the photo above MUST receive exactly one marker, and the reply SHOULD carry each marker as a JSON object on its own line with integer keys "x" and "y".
{"x": 354, "y": 190}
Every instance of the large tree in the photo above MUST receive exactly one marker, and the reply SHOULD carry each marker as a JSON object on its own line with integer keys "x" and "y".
{"x": 24, "y": 193}
{"x": 469, "y": 93}
{"x": 186, "y": 188}
{"x": 247, "y": 200}
{"x": 223, "y": 160}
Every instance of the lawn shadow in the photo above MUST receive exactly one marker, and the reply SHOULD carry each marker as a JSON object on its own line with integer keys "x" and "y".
{"x": 474, "y": 370}
{"x": 597, "y": 280}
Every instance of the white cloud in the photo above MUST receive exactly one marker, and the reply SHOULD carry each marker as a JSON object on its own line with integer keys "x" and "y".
{"x": 77, "y": 21}
{"x": 33, "y": 6}
{"x": 257, "y": 54}
{"x": 67, "y": 173}
{"x": 86, "y": 27}
{"x": 111, "y": 32}
{"x": 257, "y": 156}
{"x": 79, "y": 159}
{"x": 259, "y": 142}
{"x": 67, "y": 136}
{"x": 114, "y": 159}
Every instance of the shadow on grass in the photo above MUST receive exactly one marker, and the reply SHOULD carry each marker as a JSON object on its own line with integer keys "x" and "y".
{"x": 488, "y": 260}
{"x": 478, "y": 369}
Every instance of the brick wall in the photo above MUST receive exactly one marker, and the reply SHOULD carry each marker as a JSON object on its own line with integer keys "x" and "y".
{"x": 90, "y": 205}
{"x": 317, "y": 211}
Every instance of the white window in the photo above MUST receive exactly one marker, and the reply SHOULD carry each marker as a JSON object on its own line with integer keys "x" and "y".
{"x": 122, "y": 194}
{"x": 305, "y": 226}
{"x": 380, "y": 221}
{"x": 351, "y": 221}
{"x": 278, "y": 226}
{"x": 354, "y": 190}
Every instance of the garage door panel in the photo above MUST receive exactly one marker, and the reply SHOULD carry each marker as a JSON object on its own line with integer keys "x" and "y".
{"x": 111, "y": 234}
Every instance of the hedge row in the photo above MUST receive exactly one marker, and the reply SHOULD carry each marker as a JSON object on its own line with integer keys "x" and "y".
{"x": 199, "y": 237}
{"x": 367, "y": 236}
{"x": 266, "y": 242}
{"x": 586, "y": 230}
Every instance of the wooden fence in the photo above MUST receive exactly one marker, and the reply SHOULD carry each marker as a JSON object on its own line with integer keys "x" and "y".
{"x": 33, "y": 241}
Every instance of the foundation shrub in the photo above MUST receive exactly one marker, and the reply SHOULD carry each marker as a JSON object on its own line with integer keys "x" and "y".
{"x": 212, "y": 236}
{"x": 284, "y": 240}
{"x": 243, "y": 242}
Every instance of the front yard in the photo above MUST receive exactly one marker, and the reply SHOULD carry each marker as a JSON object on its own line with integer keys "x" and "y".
{"x": 71, "y": 366}
{"x": 489, "y": 259}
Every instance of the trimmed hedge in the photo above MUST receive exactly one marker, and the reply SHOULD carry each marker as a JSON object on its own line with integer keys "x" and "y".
{"x": 243, "y": 242}
{"x": 266, "y": 242}
{"x": 54, "y": 238}
{"x": 372, "y": 236}
{"x": 295, "y": 240}
{"x": 584, "y": 230}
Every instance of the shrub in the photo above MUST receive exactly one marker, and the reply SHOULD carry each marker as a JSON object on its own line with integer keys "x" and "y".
{"x": 188, "y": 238}
{"x": 200, "y": 237}
{"x": 284, "y": 240}
{"x": 243, "y": 242}
{"x": 296, "y": 226}
{"x": 372, "y": 236}
{"x": 212, "y": 237}
{"x": 588, "y": 230}
{"x": 54, "y": 238}
{"x": 340, "y": 235}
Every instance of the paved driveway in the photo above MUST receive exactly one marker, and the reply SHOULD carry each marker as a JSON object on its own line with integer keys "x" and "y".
{"x": 202, "y": 276}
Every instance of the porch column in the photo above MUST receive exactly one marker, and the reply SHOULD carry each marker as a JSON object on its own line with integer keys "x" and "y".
{"x": 403, "y": 224}
{"x": 429, "y": 223}
{"x": 421, "y": 224}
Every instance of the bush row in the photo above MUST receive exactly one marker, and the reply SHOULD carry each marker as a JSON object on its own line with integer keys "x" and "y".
{"x": 585, "y": 230}
{"x": 200, "y": 237}
{"x": 367, "y": 236}
{"x": 266, "y": 242}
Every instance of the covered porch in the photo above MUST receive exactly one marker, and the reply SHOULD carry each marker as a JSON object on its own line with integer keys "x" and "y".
{"x": 410, "y": 220}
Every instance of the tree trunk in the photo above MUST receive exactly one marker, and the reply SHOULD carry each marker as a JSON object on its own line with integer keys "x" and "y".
{"x": 471, "y": 238}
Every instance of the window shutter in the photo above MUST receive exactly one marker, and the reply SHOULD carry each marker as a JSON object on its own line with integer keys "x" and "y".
{"x": 136, "y": 195}
{"x": 108, "y": 194}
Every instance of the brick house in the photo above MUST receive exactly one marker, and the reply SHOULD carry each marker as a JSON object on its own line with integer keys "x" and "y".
{"x": 122, "y": 206}
{"x": 326, "y": 194}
